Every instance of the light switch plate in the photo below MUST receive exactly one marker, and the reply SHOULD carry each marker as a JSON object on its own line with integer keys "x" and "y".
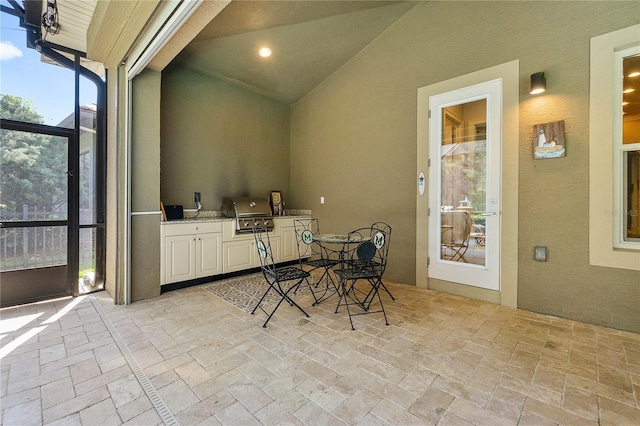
{"x": 541, "y": 253}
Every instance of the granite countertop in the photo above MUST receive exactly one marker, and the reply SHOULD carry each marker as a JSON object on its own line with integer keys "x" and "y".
{"x": 214, "y": 215}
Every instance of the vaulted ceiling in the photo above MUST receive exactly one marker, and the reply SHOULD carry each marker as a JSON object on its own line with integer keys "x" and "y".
{"x": 309, "y": 41}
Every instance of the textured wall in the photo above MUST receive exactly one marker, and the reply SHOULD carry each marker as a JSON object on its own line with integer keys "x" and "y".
{"x": 145, "y": 186}
{"x": 353, "y": 140}
{"x": 220, "y": 141}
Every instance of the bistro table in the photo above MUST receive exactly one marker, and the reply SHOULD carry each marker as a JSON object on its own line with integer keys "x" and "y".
{"x": 337, "y": 245}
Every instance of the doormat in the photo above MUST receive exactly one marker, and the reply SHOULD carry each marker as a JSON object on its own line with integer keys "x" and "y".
{"x": 245, "y": 291}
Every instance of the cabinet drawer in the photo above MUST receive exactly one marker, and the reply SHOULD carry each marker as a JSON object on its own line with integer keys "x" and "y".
{"x": 284, "y": 223}
{"x": 191, "y": 228}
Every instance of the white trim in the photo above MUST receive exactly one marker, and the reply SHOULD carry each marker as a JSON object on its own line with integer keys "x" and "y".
{"x": 619, "y": 210}
{"x": 485, "y": 276}
{"x": 127, "y": 194}
{"x": 145, "y": 213}
{"x": 601, "y": 150}
{"x": 169, "y": 20}
{"x": 510, "y": 74}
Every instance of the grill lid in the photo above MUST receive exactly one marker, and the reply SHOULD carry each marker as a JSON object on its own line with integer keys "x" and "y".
{"x": 248, "y": 212}
{"x": 242, "y": 207}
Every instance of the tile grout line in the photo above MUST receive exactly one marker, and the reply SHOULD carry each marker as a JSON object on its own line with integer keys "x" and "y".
{"x": 158, "y": 403}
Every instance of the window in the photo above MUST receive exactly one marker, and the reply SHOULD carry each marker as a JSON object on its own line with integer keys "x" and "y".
{"x": 627, "y": 148}
{"x": 614, "y": 150}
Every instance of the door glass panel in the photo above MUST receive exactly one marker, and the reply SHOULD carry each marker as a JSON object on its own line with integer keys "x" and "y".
{"x": 463, "y": 156}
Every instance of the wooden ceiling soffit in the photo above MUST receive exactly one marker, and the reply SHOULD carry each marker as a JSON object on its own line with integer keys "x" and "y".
{"x": 115, "y": 27}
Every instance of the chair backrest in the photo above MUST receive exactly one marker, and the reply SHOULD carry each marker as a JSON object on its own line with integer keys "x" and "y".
{"x": 265, "y": 254}
{"x": 305, "y": 230}
{"x": 372, "y": 251}
{"x": 386, "y": 232}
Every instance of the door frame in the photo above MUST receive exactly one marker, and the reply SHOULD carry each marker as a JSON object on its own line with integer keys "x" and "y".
{"x": 486, "y": 275}
{"x": 507, "y": 295}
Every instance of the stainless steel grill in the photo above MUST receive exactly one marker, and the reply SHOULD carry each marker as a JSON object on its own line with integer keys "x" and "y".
{"x": 248, "y": 212}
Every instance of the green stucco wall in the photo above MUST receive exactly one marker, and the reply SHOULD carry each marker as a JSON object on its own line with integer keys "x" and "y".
{"x": 145, "y": 186}
{"x": 353, "y": 140}
{"x": 220, "y": 141}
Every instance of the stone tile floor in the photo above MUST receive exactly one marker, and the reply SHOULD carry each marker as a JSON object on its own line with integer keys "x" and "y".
{"x": 188, "y": 357}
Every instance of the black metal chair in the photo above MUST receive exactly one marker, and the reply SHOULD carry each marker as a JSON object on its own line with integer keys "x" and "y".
{"x": 313, "y": 256}
{"x": 282, "y": 280}
{"x": 364, "y": 261}
{"x": 387, "y": 229}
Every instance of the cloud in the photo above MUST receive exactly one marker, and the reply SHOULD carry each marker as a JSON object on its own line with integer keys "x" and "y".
{"x": 9, "y": 51}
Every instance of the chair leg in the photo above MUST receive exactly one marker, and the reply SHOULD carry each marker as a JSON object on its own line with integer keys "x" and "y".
{"x": 309, "y": 286}
{"x": 346, "y": 303}
{"x": 263, "y": 296}
{"x": 349, "y": 293}
{"x": 387, "y": 290}
{"x": 375, "y": 283}
{"x": 369, "y": 299}
{"x": 344, "y": 295}
{"x": 284, "y": 296}
{"x": 327, "y": 291}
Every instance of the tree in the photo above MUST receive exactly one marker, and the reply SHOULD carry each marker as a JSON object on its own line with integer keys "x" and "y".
{"x": 32, "y": 166}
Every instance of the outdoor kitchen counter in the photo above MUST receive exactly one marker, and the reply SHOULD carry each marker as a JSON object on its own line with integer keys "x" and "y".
{"x": 195, "y": 248}
{"x": 212, "y": 216}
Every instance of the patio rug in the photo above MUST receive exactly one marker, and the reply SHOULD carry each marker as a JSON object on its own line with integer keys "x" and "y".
{"x": 245, "y": 291}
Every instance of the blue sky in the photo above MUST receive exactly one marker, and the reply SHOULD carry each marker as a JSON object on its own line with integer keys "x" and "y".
{"x": 48, "y": 87}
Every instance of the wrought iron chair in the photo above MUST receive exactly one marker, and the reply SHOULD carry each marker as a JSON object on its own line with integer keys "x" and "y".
{"x": 282, "y": 280}
{"x": 387, "y": 229}
{"x": 457, "y": 247}
{"x": 364, "y": 261}
{"x": 313, "y": 256}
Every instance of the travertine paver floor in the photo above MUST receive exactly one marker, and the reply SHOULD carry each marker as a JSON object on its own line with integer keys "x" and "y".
{"x": 442, "y": 360}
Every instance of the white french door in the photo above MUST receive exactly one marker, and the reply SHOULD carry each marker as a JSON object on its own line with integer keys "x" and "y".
{"x": 465, "y": 185}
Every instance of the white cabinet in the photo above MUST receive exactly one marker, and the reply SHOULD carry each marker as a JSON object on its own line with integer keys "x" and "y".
{"x": 242, "y": 254}
{"x": 191, "y": 250}
{"x": 210, "y": 247}
{"x": 288, "y": 239}
{"x": 179, "y": 258}
{"x": 239, "y": 250}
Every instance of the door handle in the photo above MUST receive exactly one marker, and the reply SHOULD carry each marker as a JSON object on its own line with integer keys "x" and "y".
{"x": 488, "y": 213}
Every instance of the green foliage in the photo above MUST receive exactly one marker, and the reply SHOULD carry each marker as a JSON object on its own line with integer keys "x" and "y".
{"x": 478, "y": 219}
{"x": 32, "y": 166}
{"x": 16, "y": 108}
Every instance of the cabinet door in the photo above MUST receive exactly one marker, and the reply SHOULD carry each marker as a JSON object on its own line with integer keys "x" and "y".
{"x": 289, "y": 244}
{"x": 238, "y": 255}
{"x": 208, "y": 254}
{"x": 179, "y": 258}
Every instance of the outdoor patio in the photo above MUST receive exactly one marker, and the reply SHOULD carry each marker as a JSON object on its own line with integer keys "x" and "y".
{"x": 189, "y": 357}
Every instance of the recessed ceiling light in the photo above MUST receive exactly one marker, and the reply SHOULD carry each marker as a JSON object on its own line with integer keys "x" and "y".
{"x": 265, "y": 52}
{"x": 628, "y": 90}
{"x": 634, "y": 74}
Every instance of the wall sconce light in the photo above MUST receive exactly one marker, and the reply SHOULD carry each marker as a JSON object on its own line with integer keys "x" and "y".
{"x": 538, "y": 83}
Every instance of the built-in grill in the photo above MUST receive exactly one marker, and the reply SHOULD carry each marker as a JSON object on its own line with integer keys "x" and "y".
{"x": 248, "y": 212}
